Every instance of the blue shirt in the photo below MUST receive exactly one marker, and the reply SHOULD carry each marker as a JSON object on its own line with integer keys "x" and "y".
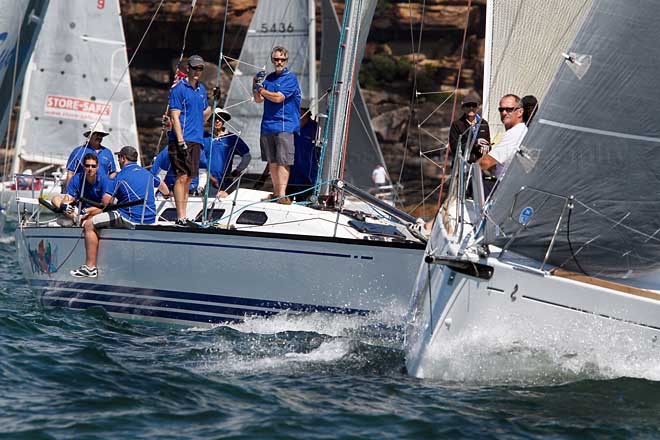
{"x": 285, "y": 116}
{"x": 192, "y": 103}
{"x": 91, "y": 191}
{"x": 306, "y": 162}
{"x": 221, "y": 152}
{"x": 106, "y": 160}
{"x": 162, "y": 162}
{"x": 134, "y": 183}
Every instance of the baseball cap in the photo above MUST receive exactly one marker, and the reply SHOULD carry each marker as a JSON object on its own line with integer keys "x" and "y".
{"x": 471, "y": 98}
{"x": 195, "y": 60}
{"x": 129, "y": 153}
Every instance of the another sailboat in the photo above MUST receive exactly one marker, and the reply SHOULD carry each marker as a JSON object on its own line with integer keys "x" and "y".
{"x": 249, "y": 258}
{"x": 566, "y": 252}
{"x": 77, "y": 75}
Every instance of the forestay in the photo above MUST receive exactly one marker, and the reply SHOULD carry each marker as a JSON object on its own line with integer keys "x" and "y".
{"x": 363, "y": 151}
{"x": 523, "y": 41}
{"x": 20, "y": 22}
{"x": 595, "y": 139}
{"x": 275, "y": 23}
{"x": 70, "y": 84}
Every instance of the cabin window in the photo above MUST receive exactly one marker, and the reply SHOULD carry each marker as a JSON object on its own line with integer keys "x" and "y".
{"x": 256, "y": 218}
{"x": 211, "y": 214}
{"x": 169, "y": 214}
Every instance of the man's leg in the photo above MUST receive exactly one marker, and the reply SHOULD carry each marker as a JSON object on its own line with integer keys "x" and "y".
{"x": 282, "y": 172}
{"x": 275, "y": 177}
{"x": 91, "y": 243}
{"x": 181, "y": 195}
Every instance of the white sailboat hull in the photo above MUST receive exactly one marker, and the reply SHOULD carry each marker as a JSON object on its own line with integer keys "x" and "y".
{"x": 200, "y": 277}
{"x": 518, "y": 307}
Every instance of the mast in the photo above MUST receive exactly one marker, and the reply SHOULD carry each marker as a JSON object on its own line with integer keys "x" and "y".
{"x": 355, "y": 28}
{"x": 311, "y": 13}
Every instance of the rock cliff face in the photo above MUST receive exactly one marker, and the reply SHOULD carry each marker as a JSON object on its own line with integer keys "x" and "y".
{"x": 395, "y": 60}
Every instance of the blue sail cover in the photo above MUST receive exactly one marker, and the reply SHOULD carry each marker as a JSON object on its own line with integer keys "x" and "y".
{"x": 596, "y": 139}
{"x": 20, "y": 21}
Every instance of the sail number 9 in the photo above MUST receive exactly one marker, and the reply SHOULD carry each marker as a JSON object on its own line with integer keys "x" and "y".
{"x": 276, "y": 28}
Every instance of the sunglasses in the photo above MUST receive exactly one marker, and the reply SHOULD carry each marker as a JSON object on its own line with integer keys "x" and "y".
{"x": 90, "y": 165}
{"x": 470, "y": 105}
{"x": 507, "y": 109}
{"x": 198, "y": 68}
{"x": 281, "y": 60}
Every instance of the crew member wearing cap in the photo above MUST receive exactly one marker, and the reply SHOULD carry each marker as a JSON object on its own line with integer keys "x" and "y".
{"x": 132, "y": 183}
{"x": 93, "y": 145}
{"x": 305, "y": 167}
{"x": 280, "y": 93}
{"x": 189, "y": 108}
{"x": 220, "y": 150}
{"x": 470, "y": 127}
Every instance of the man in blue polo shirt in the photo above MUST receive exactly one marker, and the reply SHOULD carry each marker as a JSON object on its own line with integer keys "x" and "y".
{"x": 93, "y": 145}
{"x": 132, "y": 183}
{"x": 220, "y": 151}
{"x": 280, "y": 93}
{"x": 189, "y": 108}
{"x": 162, "y": 163}
{"x": 91, "y": 186}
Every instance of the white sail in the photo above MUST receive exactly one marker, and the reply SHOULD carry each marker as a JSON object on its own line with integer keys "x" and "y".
{"x": 77, "y": 75}
{"x": 524, "y": 39}
{"x": 275, "y": 23}
{"x": 20, "y": 22}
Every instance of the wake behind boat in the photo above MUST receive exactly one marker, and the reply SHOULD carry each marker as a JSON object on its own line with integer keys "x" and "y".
{"x": 566, "y": 248}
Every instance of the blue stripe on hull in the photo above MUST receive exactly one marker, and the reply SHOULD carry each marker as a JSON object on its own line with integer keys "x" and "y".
{"x": 150, "y": 302}
{"x": 163, "y": 314}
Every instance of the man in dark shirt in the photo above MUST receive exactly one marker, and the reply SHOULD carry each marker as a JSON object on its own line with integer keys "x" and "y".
{"x": 469, "y": 127}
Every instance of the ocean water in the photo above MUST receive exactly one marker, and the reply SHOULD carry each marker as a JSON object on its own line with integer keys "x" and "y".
{"x": 86, "y": 375}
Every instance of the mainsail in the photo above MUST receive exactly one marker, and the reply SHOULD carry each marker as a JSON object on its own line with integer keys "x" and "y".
{"x": 20, "y": 22}
{"x": 275, "y": 23}
{"x": 72, "y": 84}
{"x": 523, "y": 40}
{"x": 363, "y": 151}
{"x": 589, "y": 175}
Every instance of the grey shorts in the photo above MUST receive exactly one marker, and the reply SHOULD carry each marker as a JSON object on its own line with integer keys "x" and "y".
{"x": 277, "y": 148}
{"x": 111, "y": 219}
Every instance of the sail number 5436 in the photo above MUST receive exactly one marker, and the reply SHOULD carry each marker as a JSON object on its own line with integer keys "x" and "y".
{"x": 276, "y": 27}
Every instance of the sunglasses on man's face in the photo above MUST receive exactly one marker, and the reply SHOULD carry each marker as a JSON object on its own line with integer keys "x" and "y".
{"x": 90, "y": 165}
{"x": 507, "y": 109}
{"x": 198, "y": 68}
{"x": 470, "y": 105}
{"x": 280, "y": 60}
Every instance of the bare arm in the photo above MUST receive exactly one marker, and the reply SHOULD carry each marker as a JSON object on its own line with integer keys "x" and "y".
{"x": 164, "y": 190}
{"x": 487, "y": 162}
{"x": 176, "y": 124}
{"x": 207, "y": 113}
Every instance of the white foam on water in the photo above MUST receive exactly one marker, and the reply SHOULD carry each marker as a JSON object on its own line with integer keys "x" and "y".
{"x": 228, "y": 363}
{"x": 7, "y": 239}
{"x": 529, "y": 353}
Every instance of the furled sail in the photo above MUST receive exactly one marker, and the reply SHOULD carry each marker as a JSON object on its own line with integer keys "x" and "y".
{"x": 590, "y": 168}
{"x": 363, "y": 151}
{"x": 275, "y": 23}
{"x": 75, "y": 78}
{"x": 20, "y": 22}
{"x": 357, "y": 24}
{"x": 523, "y": 40}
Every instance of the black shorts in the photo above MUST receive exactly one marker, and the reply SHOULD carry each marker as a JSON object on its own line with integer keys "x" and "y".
{"x": 184, "y": 162}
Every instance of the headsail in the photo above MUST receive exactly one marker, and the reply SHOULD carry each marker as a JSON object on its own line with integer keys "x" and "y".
{"x": 595, "y": 140}
{"x": 363, "y": 151}
{"x": 275, "y": 23}
{"x": 70, "y": 84}
{"x": 523, "y": 39}
{"x": 19, "y": 21}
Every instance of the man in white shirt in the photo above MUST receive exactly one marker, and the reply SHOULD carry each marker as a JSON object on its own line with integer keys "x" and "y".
{"x": 379, "y": 175}
{"x": 511, "y": 114}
